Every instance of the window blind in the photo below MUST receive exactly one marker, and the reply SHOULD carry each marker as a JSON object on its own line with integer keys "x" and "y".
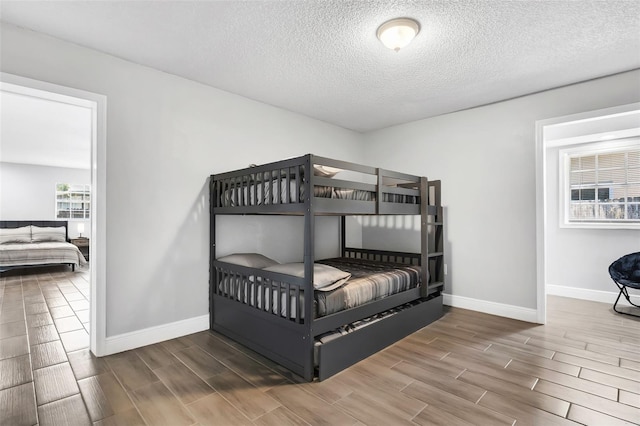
{"x": 605, "y": 186}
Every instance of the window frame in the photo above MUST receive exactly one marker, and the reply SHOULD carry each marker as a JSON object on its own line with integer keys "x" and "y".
{"x": 564, "y": 162}
{"x": 86, "y": 201}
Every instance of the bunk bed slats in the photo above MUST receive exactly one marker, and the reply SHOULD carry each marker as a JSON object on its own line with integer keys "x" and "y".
{"x": 401, "y": 257}
{"x": 299, "y": 180}
{"x": 288, "y": 176}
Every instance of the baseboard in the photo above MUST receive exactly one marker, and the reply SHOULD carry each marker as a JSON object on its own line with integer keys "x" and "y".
{"x": 148, "y": 336}
{"x": 493, "y": 308}
{"x": 587, "y": 294}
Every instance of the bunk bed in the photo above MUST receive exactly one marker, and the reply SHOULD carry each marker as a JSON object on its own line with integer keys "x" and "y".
{"x": 374, "y": 299}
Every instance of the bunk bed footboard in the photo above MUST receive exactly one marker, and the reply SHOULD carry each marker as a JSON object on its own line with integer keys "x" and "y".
{"x": 281, "y": 341}
{"x": 265, "y": 312}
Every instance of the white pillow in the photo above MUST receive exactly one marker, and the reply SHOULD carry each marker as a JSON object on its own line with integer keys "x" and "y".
{"x": 15, "y": 235}
{"x": 250, "y": 260}
{"x": 325, "y": 171}
{"x": 325, "y": 277}
{"x": 48, "y": 234}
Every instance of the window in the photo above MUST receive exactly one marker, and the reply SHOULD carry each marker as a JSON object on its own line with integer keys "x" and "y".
{"x": 602, "y": 184}
{"x": 73, "y": 201}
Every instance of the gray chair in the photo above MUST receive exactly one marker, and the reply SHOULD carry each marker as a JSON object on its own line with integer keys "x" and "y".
{"x": 625, "y": 273}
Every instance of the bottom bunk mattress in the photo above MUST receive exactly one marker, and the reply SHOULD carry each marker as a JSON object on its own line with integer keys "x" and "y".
{"x": 370, "y": 281}
{"x": 44, "y": 253}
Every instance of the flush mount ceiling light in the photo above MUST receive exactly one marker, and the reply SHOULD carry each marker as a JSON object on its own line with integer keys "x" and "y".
{"x": 397, "y": 33}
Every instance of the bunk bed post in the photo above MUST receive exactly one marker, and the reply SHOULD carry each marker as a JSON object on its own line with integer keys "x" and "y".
{"x": 379, "y": 206}
{"x": 424, "y": 234}
{"x": 309, "y": 259}
{"x": 212, "y": 245}
{"x": 437, "y": 199}
{"x": 343, "y": 236}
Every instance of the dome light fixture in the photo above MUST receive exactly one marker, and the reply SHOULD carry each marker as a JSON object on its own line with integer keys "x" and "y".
{"x": 397, "y": 33}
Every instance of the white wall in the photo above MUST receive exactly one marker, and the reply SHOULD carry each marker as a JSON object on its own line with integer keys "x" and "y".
{"x": 576, "y": 257}
{"x": 165, "y": 136}
{"x": 27, "y": 192}
{"x": 485, "y": 158}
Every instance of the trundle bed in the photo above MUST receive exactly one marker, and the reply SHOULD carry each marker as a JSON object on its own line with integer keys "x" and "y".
{"x": 318, "y": 317}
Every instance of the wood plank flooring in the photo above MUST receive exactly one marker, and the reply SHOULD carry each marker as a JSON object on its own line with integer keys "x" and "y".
{"x": 469, "y": 368}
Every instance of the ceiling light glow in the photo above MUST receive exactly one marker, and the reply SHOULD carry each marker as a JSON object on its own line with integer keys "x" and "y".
{"x": 398, "y": 33}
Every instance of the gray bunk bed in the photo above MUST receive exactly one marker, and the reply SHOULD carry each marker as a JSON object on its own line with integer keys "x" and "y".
{"x": 267, "y": 311}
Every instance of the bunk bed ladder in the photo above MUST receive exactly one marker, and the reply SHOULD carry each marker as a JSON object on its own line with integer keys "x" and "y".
{"x": 435, "y": 222}
{"x": 438, "y": 234}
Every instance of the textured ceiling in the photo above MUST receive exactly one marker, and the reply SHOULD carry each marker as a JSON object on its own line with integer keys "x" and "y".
{"x": 322, "y": 58}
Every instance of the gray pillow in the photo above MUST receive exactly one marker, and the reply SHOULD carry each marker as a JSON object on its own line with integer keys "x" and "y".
{"x": 15, "y": 235}
{"x": 48, "y": 234}
{"x": 250, "y": 260}
{"x": 325, "y": 277}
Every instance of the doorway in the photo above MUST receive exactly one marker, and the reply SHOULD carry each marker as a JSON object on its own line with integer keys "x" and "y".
{"x": 557, "y": 138}
{"x": 95, "y": 229}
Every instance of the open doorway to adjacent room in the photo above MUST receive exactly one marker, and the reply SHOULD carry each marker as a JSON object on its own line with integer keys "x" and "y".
{"x": 588, "y": 201}
{"x": 51, "y": 142}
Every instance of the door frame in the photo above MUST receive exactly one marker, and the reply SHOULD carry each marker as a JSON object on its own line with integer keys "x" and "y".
{"x": 98, "y": 105}
{"x": 541, "y": 193}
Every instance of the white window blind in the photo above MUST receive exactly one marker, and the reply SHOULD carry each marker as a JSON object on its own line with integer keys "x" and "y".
{"x": 604, "y": 186}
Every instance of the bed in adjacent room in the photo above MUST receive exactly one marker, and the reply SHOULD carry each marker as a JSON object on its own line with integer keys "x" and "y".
{"x": 26, "y": 243}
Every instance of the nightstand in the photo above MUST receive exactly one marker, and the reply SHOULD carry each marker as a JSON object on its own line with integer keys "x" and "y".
{"x": 82, "y": 244}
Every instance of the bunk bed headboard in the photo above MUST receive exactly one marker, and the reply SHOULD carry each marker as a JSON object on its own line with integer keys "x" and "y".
{"x": 42, "y": 223}
{"x": 383, "y": 256}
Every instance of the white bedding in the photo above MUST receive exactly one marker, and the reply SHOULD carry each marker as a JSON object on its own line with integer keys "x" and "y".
{"x": 43, "y": 253}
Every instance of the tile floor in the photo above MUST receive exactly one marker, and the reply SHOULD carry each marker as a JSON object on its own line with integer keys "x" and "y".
{"x": 44, "y": 324}
{"x": 468, "y": 368}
